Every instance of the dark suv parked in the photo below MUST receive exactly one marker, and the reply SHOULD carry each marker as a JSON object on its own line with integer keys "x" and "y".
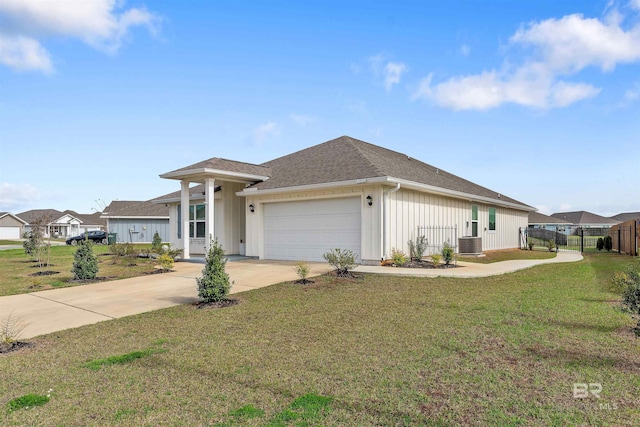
{"x": 95, "y": 236}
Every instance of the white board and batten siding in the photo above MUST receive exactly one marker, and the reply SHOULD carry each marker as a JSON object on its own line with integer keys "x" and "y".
{"x": 409, "y": 209}
{"x": 305, "y": 230}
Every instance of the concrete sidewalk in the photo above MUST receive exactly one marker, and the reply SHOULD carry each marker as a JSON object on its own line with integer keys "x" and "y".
{"x": 57, "y": 309}
{"x": 472, "y": 269}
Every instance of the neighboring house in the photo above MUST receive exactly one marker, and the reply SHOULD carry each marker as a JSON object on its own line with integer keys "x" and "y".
{"x": 585, "y": 219}
{"x": 63, "y": 224}
{"x": 546, "y": 222}
{"x": 137, "y": 221}
{"x": 11, "y": 226}
{"x": 344, "y": 193}
{"x": 627, "y": 216}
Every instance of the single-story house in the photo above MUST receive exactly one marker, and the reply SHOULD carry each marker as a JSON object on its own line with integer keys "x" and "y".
{"x": 137, "y": 221}
{"x": 585, "y": 219}
{"x": 626, "y": 216}
{"x": 344, "y": 193}
{"x": 546, "y": 222}
{"x": 63, "y": 224}
{"x": 11, "y": 226}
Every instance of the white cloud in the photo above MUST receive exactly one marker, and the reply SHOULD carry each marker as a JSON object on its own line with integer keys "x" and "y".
{"x": 543, "y": 209}
{"x": 565, "y": 207}
{"x": 558, "y": 48}
{"x": 102, "y": 24}
{"x": 265, "y": 130}
{"x": 634, "y": 4}
{"x": 465, "y": 50}
{"x": 392, "y": 73}
{"x": 14, "y": 197}
{"x": 301, "y": 120}
{"x": 23, "y": 54}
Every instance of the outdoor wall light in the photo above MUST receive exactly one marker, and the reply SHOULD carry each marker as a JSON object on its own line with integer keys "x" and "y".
{"x": 369, "y": 200}
{"x": 252, "y": 209}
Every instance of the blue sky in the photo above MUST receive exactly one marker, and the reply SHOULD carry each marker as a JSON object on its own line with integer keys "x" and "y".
{"x": 539, "y": 100}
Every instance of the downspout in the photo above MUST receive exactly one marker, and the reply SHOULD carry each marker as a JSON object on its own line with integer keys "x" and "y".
{"x": 385, "y": 219}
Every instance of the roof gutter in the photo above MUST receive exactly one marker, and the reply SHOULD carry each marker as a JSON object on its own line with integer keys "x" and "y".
{"x": 385, "y": 220}
{"x": 411, "y": 185}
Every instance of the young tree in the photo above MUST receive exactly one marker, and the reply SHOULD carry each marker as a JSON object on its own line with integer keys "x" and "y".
{"x": 156, "y": 244}
{"x": 85, "y": 262}
{"x": 214, "y": 285}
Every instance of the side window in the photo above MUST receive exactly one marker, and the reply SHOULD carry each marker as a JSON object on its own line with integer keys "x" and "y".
{"x": 474, "y": 221}
{"x": 492, "y": 219}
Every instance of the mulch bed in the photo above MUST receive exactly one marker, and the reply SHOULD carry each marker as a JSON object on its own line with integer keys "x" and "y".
{"x": 44, "y": 273}
{"x": 422, "y": 264}
{"x": 13, "y": 346}
{"x": 303, "y": 282}
{"x": 213, "y": 305}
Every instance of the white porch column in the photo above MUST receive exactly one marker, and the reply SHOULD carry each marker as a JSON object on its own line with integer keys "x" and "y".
{"x": 209, "y": 206}
{"x": 184, "y": 201}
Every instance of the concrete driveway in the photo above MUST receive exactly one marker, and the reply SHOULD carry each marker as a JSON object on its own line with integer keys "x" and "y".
{"x": 57, "y": 309}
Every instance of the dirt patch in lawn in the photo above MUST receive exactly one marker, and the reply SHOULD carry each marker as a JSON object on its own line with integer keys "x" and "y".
{"x": 230, "y": 302}
{"x": 13, "y": 346}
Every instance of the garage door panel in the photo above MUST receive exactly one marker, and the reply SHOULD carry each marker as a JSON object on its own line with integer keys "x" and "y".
{"x": 305, "y": 230}
{"x": 9, "y": 232}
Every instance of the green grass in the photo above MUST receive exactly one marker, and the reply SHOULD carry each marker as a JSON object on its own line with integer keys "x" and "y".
{"x": 27, "y": 401}
{"x": 377, "y": 350}
{"x": 10, "y": 242}
{"x": 16, "y": 273}
{"x": 122, "y": 359}
{"x": 507, "y": 255}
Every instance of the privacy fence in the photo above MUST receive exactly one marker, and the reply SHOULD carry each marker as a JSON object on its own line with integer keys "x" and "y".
{"x": 626, "y": 237}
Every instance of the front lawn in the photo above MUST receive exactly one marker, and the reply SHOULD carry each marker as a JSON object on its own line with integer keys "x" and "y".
{"x": 18, "y": 271}
{"x": 376, "y": 350}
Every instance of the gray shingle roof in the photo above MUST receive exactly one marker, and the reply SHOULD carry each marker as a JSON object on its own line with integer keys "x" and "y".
{"x": 346, "y": 158}
{"x": 538, "y": 218}
{"x": 583, "y": 217}
{"x": 34, "y": 214}
{"x": 52, "y": 215}
{"x": 131, "y": 208}
{"x": 626, "y": 216}
{"x": 227, "y": 165}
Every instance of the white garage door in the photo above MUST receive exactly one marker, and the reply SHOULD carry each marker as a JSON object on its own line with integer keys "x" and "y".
{"x": 9, "y": 232}
{"x": 307, "y": 229}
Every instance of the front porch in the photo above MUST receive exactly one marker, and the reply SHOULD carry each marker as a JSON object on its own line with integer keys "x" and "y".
{"x": 210, "y": 210}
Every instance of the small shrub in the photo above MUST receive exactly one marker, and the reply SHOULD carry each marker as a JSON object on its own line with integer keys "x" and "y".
{"x": 27, "y": 401}
{"x": 435, "y": 259}
{"x": 600, "y": 244}
{"x": 417, "y": 248}
{"x": 10, "y": 329}
{"x": 166, "y": 262}
{"x": 398, "y": 257}
{"x": 302, "y": 270}
{"x": 608, "y": 243}
{"x": 156, "y": 243}
{"x": 341, "y": 260}
{"x": 447, "y": 253}
{"x": 85, "y": 262}
{"x": 173, "y": 253}
{"x": 551, "y": 245}
{"x": 214, "y": 285}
